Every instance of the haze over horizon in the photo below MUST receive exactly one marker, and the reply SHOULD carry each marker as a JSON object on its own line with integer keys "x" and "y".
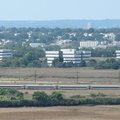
{"x": 47, "y": 10}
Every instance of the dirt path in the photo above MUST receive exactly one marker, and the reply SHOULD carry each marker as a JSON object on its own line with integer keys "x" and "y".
{"x": 61, "y": 113}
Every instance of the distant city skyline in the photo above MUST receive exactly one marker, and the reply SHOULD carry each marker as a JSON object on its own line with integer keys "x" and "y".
{"x": 59, "y": 9}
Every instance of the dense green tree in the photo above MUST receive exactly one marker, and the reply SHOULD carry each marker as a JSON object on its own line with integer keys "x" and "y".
{"x": 115, "y": 30}
{"x": 82, "y": 63}
{"x": 15, "y": 62}
{"x": 41, "y": 97}
{"x": 1, "y": 36}
{"x": 68, "y": 64}
{"x": 8, "y": 36}
{"x": 75, "y": 44}
{"x": 66, "y": 36}
{"x": 52, "y": 48}
{"x": 99, "y": 52}
{"x": 74, "y": 38}
{"x": 57, "y": 95}
{"x": 98, "y": 36}
{"x": 55, "y": 62}
{"x": 31, "y": 56}
{"x": 92, "y": 38}
{"x": 115, "y": 66}
{"x": 103, "y": 30}
{"x": 35, "y": 63}
{"x": 23, "y": 36}
{"x": 90, "y": 30}
{"x": 57, "y": 32}
{"x": 92, "y": 63}
{"x": 117, "y": 38}
{"x": 34, "y": 37}
{"x": 108, "y": 64}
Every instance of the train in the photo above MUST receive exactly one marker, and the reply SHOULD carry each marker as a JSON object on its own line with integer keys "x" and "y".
{"x": 61, "y": 87}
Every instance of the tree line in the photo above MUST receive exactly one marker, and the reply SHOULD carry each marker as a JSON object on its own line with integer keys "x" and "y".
{"x": 26, "y": 56}
{"x": 48, "y": 35}
{"x": 104, "y": 64}
{"x": 57, "y": 99}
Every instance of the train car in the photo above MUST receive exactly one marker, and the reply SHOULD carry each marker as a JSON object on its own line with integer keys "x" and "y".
{"x": 12, "y": 86}
{"x": 73, "y": 87}
{"x": 40, "y": 87}
{"x": 104, "y": 87}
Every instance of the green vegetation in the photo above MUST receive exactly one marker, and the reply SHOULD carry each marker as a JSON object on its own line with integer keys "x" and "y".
{"x": 24, "y": 56}
{"x": 10, "y": 94}
{"x": 98, "y": 95}
{"x": 14, "y": 98}
{"x": 18, "y": 40}
{"x": 107, "y": 64}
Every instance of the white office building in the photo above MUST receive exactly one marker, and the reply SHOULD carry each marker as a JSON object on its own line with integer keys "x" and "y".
{"x": 35, "y": 45}
{"x": 71, "y": 55}
{"x": 51, "y": 56}
{"x": 68, "y": 55}
{"x": 85, "y": 55}
{"x": 117, "y": 54}
{"x": 86, "y": 44}
{"x": 5, "y": 53}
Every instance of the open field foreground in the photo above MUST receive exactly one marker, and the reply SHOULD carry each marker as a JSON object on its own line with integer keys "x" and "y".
{"x": 59, "y": 76}
{"x": 62, "y": 113}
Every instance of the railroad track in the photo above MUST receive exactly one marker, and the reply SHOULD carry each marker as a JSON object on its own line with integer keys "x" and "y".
{"x": 61, "y": 87}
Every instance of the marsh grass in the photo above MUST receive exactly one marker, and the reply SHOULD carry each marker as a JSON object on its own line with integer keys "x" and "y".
{"x": 60, "y": 76}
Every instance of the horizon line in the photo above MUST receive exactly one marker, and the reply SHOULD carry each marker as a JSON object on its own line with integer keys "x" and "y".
{"x": 61, "y": 20}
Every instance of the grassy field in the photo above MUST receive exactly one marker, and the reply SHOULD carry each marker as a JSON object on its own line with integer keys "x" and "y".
{"x": 62, "y": 113}
{"x": 82, "y": 76}
{"x": 59, "y": 76}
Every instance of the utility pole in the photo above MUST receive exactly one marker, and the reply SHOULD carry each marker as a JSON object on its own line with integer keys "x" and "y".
{"x": 77, "y": 77}
{"x": 119, "y": 76}
{"x": 35, "y": 76}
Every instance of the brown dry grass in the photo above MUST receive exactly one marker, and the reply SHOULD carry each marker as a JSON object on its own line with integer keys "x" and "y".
{"x": 62, "y": 113}
{"x": 59, "y": 76}
{"x": 87, "y": 76}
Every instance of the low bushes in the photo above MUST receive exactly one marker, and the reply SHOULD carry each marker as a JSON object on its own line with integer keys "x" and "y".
{"x": 57, "y": 98}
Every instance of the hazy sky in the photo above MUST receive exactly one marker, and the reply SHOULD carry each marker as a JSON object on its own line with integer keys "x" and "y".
{"x": 59, "y": 9}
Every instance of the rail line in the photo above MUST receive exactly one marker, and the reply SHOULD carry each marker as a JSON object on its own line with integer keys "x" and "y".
{"x": 61, "y": 87}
